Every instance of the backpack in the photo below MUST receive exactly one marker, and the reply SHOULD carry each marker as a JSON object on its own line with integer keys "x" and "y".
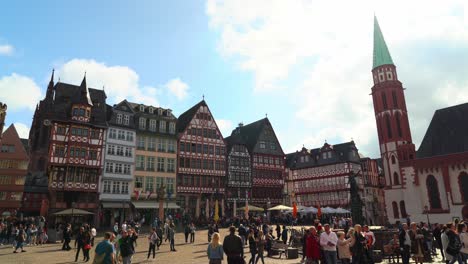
{"x": 454, "y": 245}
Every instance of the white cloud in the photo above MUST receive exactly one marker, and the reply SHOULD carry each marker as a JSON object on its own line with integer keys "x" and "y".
{"x": 19, "y": 92}
{"x": 119, "y": 82}
{"x": 225, "y": 126}
{"x": 22, "y": 129}
{"x": 323, "y": 55}
{"x": 178, "y": 88}
{"x": 6, "y": 50}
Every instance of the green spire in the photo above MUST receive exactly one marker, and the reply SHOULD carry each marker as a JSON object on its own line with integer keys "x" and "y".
{"x": 381, "y": 53}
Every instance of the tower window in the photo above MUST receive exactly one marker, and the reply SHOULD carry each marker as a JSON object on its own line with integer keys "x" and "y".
{"x": 381, "y": 77}
{"x": 389, "y": 127}
{"x": 389, "y": 75}
{"x": 400, "y": 134}
{"x": 384, "y": 101}
{"x": 396, "y": 179}
{"x": 395, "y": 104}
{"x": 393, "y": 159}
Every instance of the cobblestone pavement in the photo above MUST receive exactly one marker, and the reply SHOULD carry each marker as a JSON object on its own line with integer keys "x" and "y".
{"x": 185, "y": 254}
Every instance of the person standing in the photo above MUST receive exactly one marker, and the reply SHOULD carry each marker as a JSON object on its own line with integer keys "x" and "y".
{"x": 260, "y": 247}
{"x": 284, "y": 235}
{"x": 153, "y": 241}
{"x": 171, "y": 234}
{"x": 233, "y": 247}
{"x": 370, "y": 242}
{"x": 454, "y": 244}
{"x": 359, "y": 245}
{"x": 252, "y": 246}
{"x": 116, "y": 228}
{"x": 105, "y": 252}
{"x": 93, "y": 235}
{"x": 344, "y": 253}
{"x": 86, "y": 244}
{"x": 328, "y": 241}
{"x": 313, "y": 246}
{"x": 20, "y": 238}
{"x": 243, "y": 234}
{"x": 464, "y": 240}
{"x": 215, "y": 250}
{"x": 417, "y": 243}
{"x": 437, "y": 236}
{"x": 126, "y": 248}
{"x": 186, "y": 232}
{"x": 192, "y": 233}
{"x": 33, "y": 235}
{"x": 66, "y": 238}
{"x": 405, "y": 243}
{"x": 278, "y": 231}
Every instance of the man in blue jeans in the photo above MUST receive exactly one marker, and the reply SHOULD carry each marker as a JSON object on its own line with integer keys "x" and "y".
{"x": 328, "y": 241}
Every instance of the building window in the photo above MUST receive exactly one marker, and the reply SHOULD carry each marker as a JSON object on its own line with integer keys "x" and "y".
{"x": 396, "y": 213}
{"x": 159, "y": 182}
{"x": 129, "y": 136}
{"x": 170, "y": 165}
{"x": 140, "y": 162}
{"x": 116, "y": 187}
{"x": 433, "y": 192}
{"x": 262, "y": 144}
{"x": 121, "y": 135}
{"x": 118, "y": 168}
{"x": 128, "y": 152}
{"x": 384, "y": 101}
{"x": 162, "y": 126}
{"x": 151, "y": 110}
{"x": 463, "y": 183}
{"x": 273, "y": 145}
{"x": 171, "y": 146}
{"x": 124, "y": 188}
{"x": 162, "y": 145}
{"x": 400, "y": 134}
{"x": 120, "y": 151}
{"x": 149, "y": 184}
{"x": 111, "y": 150}
{"x": 142, "y": 108}
{"x": 396, "y": 179}
{"x": 141, "y": 143}
{"x": 152, "y": 144}
{"x": 61, "y": 130}
{"x": 393, "y": 159}
{"x": 138, "y": 182}
{"x": 161, "y": 162}
{"x": 109, "y": 167}
{"x": 142, "y": 123}
{"x": 112, "y": 133}
{"x": 107, "y": 187}
{"x": 395, "y": 103}
{"x": 150, "y": 163}
{"x": 152, "y": 125}
{"x": 389, "y": 127}
{"x": 403, "y": 209}
{"x": 126, "y": 120}
{"x": 170, "y": 185}
{"x": 172, "y": 127}
{"x": 119, "y": 118}
{"x": 127, "y": 169}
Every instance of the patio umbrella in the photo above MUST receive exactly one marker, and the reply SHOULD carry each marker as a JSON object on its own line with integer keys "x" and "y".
{"x": 279, "y": 208}
{"x": 251, "y": 208}
{"x": 73, "y": 211}
{"x": 310, "y": 210}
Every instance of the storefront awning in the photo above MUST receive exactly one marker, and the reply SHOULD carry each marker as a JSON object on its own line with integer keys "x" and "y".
{"x": 154, "y": 205}
{"x": 117, "y": 205}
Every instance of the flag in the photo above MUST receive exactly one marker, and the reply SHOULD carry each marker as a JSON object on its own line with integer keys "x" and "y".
{"x": 246, "y": 212}
{"x": 137, "y": 194}
{"x": 216, "y": 212}
{"x": 319, "y": 211}
{"x": 294, "y": 212}
{"x": 148, "y": 194}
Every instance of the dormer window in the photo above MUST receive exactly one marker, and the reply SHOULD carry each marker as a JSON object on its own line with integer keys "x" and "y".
{"x": 151, "y": 110}
{"x": 160, "y": 112}
{"x": 169, "y": 112}
{"x": 119, "y": 118}
{"x": 142, "y": 108}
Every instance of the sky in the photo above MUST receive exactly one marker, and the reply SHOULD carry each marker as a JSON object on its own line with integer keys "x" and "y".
{"x": 304, "y": 64}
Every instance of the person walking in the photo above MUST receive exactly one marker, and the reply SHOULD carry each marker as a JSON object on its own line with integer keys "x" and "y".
{"x": 153, "y": 241}
{"x": 284, "y": 235}
{"x": 243, "y": 234}
{"x": 126, "y": 247}
{"x": 79, "y": 243}
{"x": 405, "y": 243}
{"x": 252, "y": 246}
{"x": 93, "y": 235}
{"x": 86, "y": 244}
{"x": 186, "y": 232}
{"x": 33, "y": 235}
{"x": 215, "y": 250}
{"x": 105, "y": 251}
{"x": 66, "y": 238}
{"x": 328, "y": 241}
{"x": 192, "y": 233}
{"x": 454, "y": 244}
{"x": 233, "y": 247}
{"x": 171, "y": 234}
{"x": 260, "y": 247}
{"x": 20, "y": 239}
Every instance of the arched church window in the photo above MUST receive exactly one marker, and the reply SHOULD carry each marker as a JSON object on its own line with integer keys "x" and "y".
{"x": 433, "y": 192}
{"x": 393, "y": 159}
{"x": 463, "y": 182}
{"x": 398, "y": 125}
{"x": 384, "y": 101}
{"x": 389, "y": 127}
{"x": 396, "y": 214}
{"x": 403, "y": 209}
{"x": 396, "y": 179}
{"x": 394, "y": 97}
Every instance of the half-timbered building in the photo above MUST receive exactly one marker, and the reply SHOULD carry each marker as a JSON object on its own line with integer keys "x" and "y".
{"x": 67, "y": 140}
{"x": 432, "y": 183}
{"x": 155, "y": 163}
{"x": 13, "y": 168}
{"x": 201, "y": 172}
{"x": 267, "y": 160}
{"x": 320, "y": 176}
{"x": 3, "y": 110}
{"x": 119, "y": 164}
{"x": 373, "y": 198}
{"x": 239, "y": 172}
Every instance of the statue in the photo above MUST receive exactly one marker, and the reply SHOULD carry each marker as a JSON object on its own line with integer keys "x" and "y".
{"x": 356, "y": 202}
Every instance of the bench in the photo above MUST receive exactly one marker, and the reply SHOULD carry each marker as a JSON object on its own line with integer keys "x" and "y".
{"x": 279, "y": 247}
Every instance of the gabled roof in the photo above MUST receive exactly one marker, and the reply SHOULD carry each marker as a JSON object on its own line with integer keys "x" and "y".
{"x": 447, "y": 132}
{"x": 11, "y": 137}
{"x": 184, "y": 119}
{"x": 248, "y": 134}
{"x": 381, "y": 53}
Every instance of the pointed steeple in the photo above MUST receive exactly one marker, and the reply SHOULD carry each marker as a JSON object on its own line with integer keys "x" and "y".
{"x": 381, "y": 53}
{"x": 84, "y": 93}
{"x": 50, "y": 87}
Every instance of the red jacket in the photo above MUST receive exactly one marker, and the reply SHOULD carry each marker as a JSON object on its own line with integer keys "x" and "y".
{"x": 313, "y": 247}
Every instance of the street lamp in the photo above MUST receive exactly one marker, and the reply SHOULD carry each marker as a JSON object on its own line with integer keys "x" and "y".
{"x": 426, "y": 210}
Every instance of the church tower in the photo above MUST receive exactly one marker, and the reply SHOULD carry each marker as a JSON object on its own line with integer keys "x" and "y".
{"x": 391, "y": 115}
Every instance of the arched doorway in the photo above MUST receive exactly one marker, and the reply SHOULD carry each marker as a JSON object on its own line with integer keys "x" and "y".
{"x": 433, "y": 192}
{"x": 463, "y": 182}
{"x": 396, "y": 214}
{"x": 403, "y": 209}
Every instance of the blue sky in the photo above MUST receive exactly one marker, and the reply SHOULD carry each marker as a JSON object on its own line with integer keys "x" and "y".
{"x": 304, "y": 63}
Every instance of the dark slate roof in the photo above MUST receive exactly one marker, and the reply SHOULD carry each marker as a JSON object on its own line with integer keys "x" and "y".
{"x": 68, "y": 94}
{"x": 184, "y": 119}
{"x": 25, "y": 142}
{"x": 248, "y": 134}
{"x": 340, "y": 153}
{"x": 447, "y": 132}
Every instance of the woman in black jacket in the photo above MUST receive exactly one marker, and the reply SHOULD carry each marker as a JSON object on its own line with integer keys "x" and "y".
{"x": 252, "y": 246}
{"x": 359, "y": 247}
